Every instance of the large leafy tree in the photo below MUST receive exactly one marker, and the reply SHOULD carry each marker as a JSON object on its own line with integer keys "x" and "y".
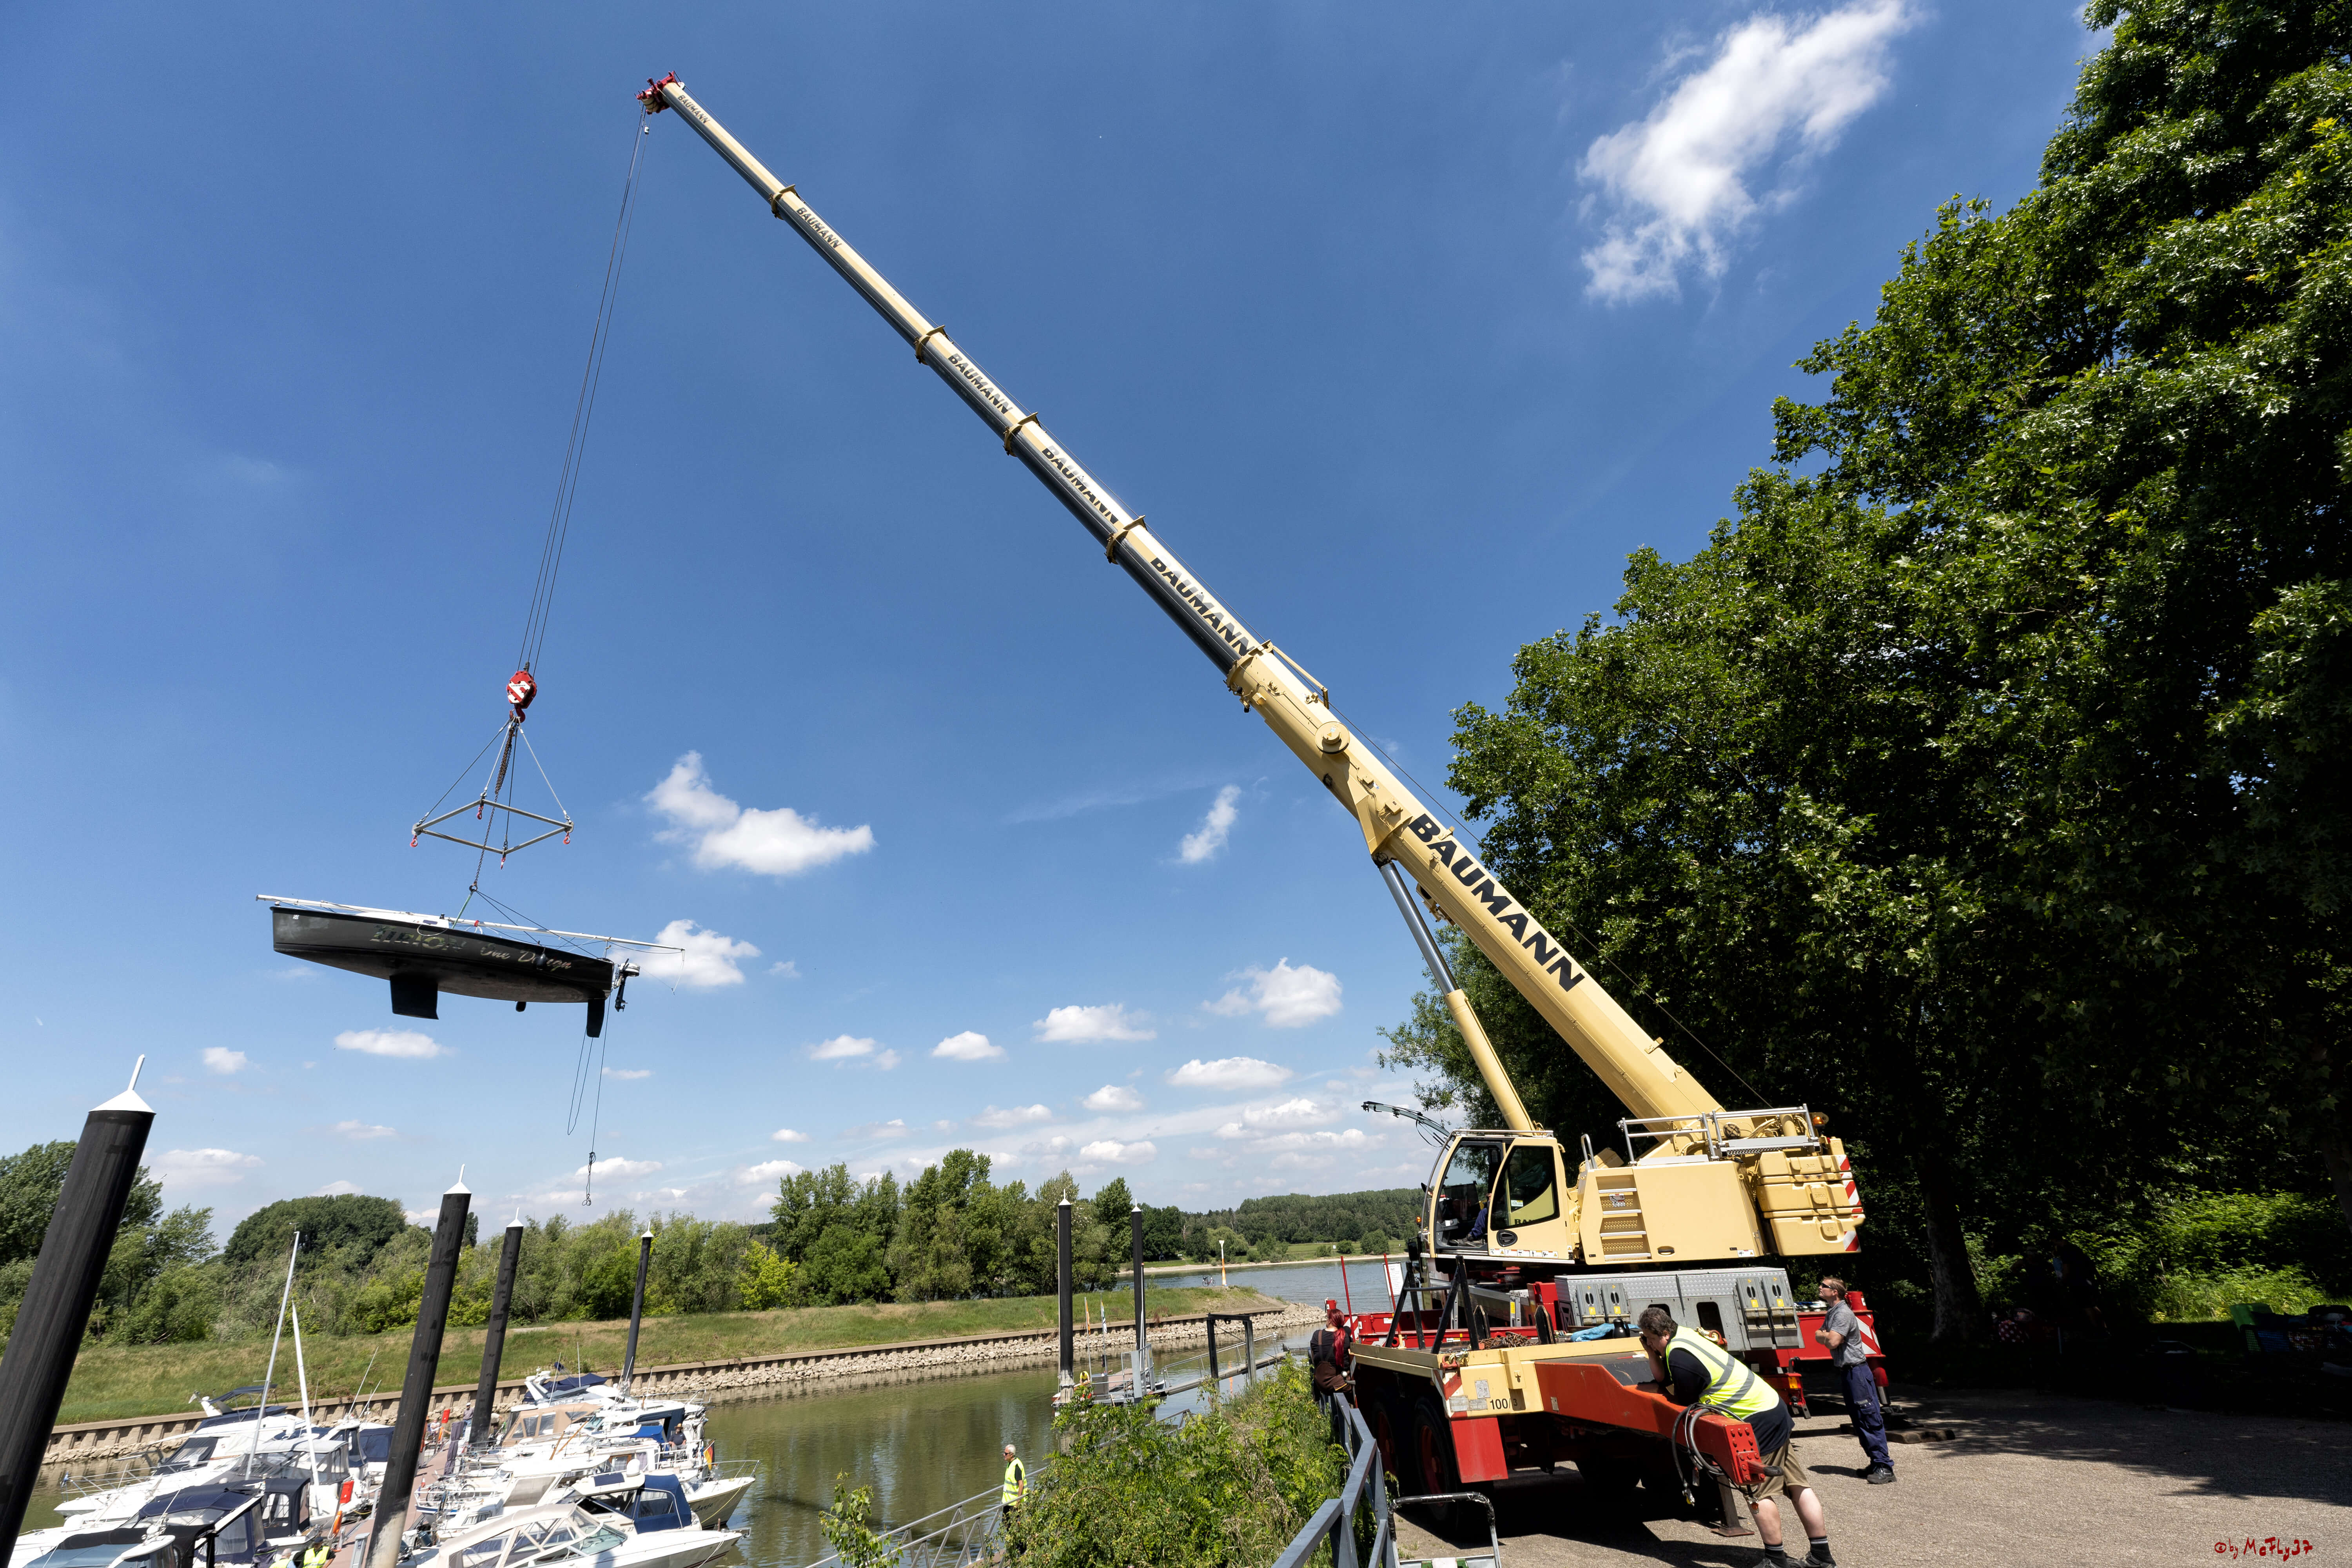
{"x": 1974, "y": 782}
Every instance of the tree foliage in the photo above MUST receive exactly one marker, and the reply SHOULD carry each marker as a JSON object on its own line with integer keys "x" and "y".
{"x": 1229, "y": 1486}
{"x": 1973, "y": 783}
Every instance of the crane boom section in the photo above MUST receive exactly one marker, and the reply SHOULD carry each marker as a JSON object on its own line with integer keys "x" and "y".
{"x": 1396, "y": 825}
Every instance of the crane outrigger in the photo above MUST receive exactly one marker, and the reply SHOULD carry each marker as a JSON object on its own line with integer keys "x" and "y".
{"x": 1526, "y": 1251}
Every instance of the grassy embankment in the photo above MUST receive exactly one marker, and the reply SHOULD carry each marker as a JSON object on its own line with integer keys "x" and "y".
{"x": 110, "y": 1382}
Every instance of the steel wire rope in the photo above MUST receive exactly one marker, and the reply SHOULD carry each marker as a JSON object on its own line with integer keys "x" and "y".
{"x": 583, "y": 410}
{"x": 1589, "y": 944}
{"x": 468, "y": 768}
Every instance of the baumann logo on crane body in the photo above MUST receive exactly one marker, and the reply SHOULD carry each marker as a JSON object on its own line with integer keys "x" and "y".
{"x": 1218, "y": 619}
{"x": 1524, "y": 929}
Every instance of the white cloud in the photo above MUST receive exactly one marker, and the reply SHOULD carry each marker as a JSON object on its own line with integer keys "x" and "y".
{"x": 1084, "y": 1025}
{"x": 1014, "y": 1115}
{"x": 361, "y": 1131}
{"x": 1204, "y": 842}
{"x": 1228, "y": 1072}
{"x": 1286, "y": 999}
{"x": 779, "y": 843}
{"x": 336, "y": 1189}
{"x": 426, "y": 1217}
{"x": 1274, "y": 1118}
{"x": 968, "y": 1046}
{"x": 616, "y": 1166}
{"x": 629, "y": 1072}
{"x": 1678, "y": 182}
{"x": 786, "y": 1135}
{"x": 1110, "y": 1152}
{"x": 786, "y": 969}
{"x": 221, "y": 1061}
{"x": 841, "y": 1048}
{"x": 766, "y": 1171}
{"x": 894, "y": 1128}
{"x": 707, "y": 961}
{"x": 391, "y": 1043}
{"x": 203, "y": 1167}
{"x": 1113, "y": 1097}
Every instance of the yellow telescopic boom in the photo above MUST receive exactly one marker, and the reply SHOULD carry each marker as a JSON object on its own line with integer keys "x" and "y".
{"x": 1398, "y": 829}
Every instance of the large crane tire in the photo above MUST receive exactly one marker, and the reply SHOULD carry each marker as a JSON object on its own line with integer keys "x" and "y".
{"x": 1430, "y": 1452}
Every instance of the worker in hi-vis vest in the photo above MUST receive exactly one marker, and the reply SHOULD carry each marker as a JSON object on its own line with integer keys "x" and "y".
{"x": 1695, "y": 1370}
{"x": 1016, "y": 1486}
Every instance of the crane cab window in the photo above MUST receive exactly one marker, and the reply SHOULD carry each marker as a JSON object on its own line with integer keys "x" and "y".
{"x": 1462, "y": 1196}
{"x": 1530, "y": 1185}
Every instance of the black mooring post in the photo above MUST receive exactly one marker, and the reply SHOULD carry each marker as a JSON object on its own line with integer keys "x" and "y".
{"x": 55, "y": 1311}
{"x": 494, "y": 1343}
{"x": 391, "y": 1500}
{"x": 1143, "y": 1347}
{"x": 1216, "y": 1379}
{"x": 637, "y": 1309}
{"x": 1061, "y": 1292}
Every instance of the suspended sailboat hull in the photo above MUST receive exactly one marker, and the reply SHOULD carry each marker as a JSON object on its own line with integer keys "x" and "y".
{"x": 422, "y": 957}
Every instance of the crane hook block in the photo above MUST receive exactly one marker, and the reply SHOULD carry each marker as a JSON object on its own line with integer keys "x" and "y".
{"x": 521, "y": 690}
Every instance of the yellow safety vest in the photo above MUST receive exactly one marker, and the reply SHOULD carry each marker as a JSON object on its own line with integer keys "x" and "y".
{"x": 1731, "y": 1387}
{"x": 1016, "y": 1484}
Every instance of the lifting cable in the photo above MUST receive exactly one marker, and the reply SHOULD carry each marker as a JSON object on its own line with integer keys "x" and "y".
{"x": 583, "y": 410}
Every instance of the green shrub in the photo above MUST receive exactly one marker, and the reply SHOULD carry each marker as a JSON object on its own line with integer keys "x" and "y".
{"x": 1228, "y": 1488}
{"x": 2205, "y": 1250}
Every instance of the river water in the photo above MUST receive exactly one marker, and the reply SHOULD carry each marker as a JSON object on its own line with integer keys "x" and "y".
{"x": 923, "y": 1443}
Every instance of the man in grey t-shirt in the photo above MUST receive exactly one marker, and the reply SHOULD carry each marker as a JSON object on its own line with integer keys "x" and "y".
{"x": 1840, "y": 1330}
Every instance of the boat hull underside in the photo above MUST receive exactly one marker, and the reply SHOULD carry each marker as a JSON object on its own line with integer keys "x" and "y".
{"x": 421, "y": 959}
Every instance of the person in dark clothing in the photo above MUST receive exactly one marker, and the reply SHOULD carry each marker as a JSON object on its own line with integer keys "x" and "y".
{"x": 1849, "y": 1350}
{"x": 1693, "y": 1369}
{"x": 1326, "y": 1360}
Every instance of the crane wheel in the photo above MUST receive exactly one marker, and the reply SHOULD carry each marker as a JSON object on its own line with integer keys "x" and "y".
{"x": 1387, "y": 1426}
{"x": 1430, "y": 1454}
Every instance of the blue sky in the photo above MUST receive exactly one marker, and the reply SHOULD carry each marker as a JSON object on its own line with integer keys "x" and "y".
{"x": 1403, "y": 325}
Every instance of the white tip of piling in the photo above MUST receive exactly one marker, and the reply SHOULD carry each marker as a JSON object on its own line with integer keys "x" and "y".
{"x": 129, "y": 1098}
{"x": 461, "y": 1186}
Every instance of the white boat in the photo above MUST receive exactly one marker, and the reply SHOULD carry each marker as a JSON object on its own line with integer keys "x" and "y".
{"x": 313, "y": 1462}
{"x": 567, "y": 1535}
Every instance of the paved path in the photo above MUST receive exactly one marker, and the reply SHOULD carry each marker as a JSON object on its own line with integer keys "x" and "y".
{"x": 2030, "y": 1479}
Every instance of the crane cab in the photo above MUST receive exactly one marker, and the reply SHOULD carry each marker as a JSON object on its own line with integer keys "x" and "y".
{"x": 1502, "y": 1196}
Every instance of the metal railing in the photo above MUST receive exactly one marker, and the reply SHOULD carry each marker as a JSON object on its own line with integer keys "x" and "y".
{"x": 1744, "y": 1135}
{"x": 1336, "y": 1520}
{"x": 956, "y": 1536}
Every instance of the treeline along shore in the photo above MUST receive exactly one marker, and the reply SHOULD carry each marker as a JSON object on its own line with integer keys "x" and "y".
{"x": 838, "y": 1262}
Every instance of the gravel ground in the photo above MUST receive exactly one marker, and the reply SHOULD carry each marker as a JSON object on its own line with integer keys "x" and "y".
{"x": 2029, "y": 1478}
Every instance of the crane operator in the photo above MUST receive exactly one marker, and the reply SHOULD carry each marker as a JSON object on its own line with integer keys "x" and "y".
{"x": 1693, "y": 1369}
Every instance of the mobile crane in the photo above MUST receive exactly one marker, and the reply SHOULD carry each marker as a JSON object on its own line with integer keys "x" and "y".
{"x": 1475, "y": 1377}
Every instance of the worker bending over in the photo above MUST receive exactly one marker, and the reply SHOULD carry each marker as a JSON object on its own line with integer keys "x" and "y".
{"x": 1695, "y": 1370}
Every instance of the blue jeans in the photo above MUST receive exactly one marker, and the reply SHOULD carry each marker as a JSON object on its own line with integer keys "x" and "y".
{"x": 1869, "y": 1420}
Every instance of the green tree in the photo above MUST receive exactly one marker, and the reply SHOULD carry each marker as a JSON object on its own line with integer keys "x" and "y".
{"x": 1972, "y": 783}
{"x": 765, "y": 1279}
{"x": 30, "y": 1183}
{"x": 846, "y": 1265}
{"x": 346, "y": 1221}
